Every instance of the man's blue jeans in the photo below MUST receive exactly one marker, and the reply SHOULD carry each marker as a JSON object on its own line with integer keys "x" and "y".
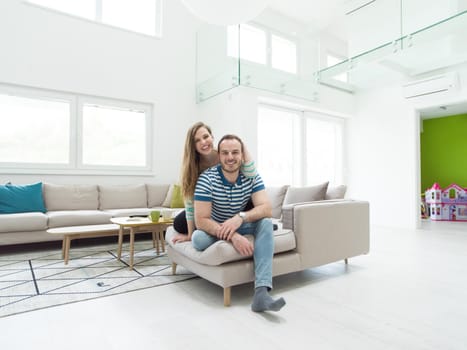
{"x": 263, "y": 248}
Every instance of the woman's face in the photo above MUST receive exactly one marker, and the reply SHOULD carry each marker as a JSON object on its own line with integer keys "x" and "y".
{"x": 203, "y": 141}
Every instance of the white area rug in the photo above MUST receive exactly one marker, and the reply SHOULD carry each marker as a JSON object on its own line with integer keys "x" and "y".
{"x": 36, "y": 280}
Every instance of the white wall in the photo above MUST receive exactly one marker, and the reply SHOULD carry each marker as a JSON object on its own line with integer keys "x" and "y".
{"x": 384, "y": 151}
{"x": 382, "y": 154}
{"x": 42, "y": 49}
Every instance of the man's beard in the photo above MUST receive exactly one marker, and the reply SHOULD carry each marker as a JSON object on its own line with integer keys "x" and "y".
{"x": 231, "y": 168}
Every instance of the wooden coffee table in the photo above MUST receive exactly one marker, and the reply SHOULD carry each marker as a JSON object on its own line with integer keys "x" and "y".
{"x": 75, "y": 232}
{"x": 139, "y": 225}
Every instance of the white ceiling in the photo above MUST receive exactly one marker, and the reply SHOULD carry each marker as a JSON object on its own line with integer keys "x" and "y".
{"x": 445, "y": 110}
{"x": 319, "y": 12}
{"x": 329, "y": 15}
{"x": 319, "y": 15}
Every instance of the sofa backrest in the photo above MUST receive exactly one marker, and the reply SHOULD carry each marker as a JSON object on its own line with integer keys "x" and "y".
{"x": 70, "y": 197}
{"x": 158, "y": 194}
{"x": 281, "y": 196}
{"x": 122, "y": 196}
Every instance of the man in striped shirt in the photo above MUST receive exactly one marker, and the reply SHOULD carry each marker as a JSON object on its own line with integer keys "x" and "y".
{"x": 221, "y": 195}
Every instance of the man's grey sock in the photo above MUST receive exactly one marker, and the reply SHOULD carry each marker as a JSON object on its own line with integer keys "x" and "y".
{"x": 262, "y": 301}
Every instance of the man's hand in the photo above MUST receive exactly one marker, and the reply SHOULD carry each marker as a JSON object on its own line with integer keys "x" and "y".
{"x": 229, "y": 227}
{"x": 242, "y": 245}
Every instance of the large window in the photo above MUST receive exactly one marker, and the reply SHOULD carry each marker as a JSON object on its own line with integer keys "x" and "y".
{"x": 262, "y": 46}
{"x": 48, "y": 131}
{"x": 141, "y": 16}
{"x": 34, "y": 130}
{"x": 299, "y": 148}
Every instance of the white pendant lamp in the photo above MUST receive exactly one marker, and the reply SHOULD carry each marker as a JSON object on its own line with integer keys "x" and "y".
{"x": 226, "y": 12}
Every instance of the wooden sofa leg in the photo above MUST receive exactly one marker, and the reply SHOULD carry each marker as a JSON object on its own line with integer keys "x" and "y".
{"x": 174, "y": 268}
{"x": 227, "y": 291}
{"x": 346, "y": 261}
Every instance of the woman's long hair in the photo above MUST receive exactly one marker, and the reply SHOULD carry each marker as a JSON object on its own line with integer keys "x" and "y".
{"x": 191, "y": 161}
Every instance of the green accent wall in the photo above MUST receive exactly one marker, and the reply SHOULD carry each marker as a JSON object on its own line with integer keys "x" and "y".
{"x": 443, "y": 151}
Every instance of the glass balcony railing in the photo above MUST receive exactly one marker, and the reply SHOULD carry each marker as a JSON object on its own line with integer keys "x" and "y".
{"x": 414, "y": 42}
{"x": 436, "y": 47}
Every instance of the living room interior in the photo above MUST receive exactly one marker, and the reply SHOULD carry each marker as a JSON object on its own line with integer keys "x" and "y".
{"x": 398, "y": 64}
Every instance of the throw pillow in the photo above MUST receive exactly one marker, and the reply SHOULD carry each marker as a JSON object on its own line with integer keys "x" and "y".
{"x": 336, "y": 192}
{"x": 177, "y": 199}
{"x": 21, "y": 198}
{"x": 306, "y": 194}
{"x": 156, "y": 194}
{"x": 168, "y": 197}
{"x": 276, "y": 197}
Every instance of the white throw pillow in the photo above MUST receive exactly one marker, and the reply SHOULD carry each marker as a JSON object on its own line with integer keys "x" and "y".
{"x": 157, "y": 194}
{"x": 306, "y": 194}
{"x": 168, "y": 197}
{"x": 276, "y": 197}
{"x": 336, "y": 192}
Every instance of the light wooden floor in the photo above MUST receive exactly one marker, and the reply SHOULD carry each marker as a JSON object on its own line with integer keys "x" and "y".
{"x": 410, "y": 292}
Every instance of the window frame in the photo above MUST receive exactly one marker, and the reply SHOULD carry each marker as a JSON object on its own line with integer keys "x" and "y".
{"x": 98, "y": 17}
{"x": 75, "y": 165}
{"x": 269, "y": 32}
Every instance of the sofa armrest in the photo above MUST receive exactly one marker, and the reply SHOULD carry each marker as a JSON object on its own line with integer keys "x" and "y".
{"x": 328, "y": 231}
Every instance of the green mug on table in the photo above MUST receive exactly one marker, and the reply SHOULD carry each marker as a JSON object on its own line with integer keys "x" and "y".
{"x": 155, "y": 215}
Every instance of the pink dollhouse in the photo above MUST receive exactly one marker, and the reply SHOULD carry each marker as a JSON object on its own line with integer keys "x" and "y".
{"x": 448, "y": 204}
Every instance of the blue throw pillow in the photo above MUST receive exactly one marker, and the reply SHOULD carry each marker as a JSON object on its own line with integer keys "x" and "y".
{"x": 21, "y": 198}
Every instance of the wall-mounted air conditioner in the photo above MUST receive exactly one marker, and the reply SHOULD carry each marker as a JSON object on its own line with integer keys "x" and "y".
{"x": 434, "y": 85}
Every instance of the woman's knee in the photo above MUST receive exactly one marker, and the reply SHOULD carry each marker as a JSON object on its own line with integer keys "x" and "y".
{"x": 180, "y": 224}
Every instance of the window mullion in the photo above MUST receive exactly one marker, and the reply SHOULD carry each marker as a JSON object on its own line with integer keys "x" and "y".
{"x": 78, "y": 144}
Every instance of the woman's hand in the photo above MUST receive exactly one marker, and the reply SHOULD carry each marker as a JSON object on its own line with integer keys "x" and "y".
{"x": 178, "y": 238}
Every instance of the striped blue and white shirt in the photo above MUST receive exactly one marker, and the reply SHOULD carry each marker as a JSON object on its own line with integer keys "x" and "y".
{"x": 227, "y": 199}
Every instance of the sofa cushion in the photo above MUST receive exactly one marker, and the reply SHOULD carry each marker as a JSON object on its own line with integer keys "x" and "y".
{"x": 77, "y": 217}
{"x": 305, "y": 194}
{"x": 156, "y": 194}
{"x": 222, "y": 251}
{"x": 122, "y": 196}
{"x": 336, "y": 192}
{"x": 22, "y": 222}
{"x": 71, "y": 197}
{"x": 276, "y": 197}
{"x": 21, "y": 198}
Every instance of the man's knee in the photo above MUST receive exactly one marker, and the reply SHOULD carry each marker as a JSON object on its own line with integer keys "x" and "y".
{"x": 265, "y": 224}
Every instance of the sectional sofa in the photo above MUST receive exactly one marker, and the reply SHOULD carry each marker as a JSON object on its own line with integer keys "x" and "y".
{"x": 52, "y": 205}
{"x": 316, "y": 226}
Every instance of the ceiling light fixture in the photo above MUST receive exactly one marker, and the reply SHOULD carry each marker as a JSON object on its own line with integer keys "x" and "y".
{"x": 226, "y": 12}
